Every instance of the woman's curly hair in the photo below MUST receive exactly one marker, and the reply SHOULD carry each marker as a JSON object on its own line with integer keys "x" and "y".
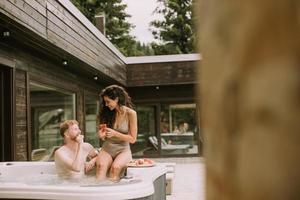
{"x": 106, "y": 115}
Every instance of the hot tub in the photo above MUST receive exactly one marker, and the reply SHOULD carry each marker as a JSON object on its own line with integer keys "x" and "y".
{"x": 38, "y": 180}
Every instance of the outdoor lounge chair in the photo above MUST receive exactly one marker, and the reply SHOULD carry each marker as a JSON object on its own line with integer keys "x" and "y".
{"x": 168, "y": 148}
{"x": 38, "y": 154}
{"x": 50, "y": 156}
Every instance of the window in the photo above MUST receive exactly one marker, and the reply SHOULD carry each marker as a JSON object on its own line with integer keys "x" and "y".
{"x": 178, "y": 129}
{"x": 91, "y": 112}
{"x": 49, "y": 107}
{"x": 174, "y": 133}
{"x": 146, "y": 129}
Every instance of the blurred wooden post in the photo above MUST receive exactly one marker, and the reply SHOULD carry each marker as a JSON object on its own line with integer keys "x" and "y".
{"x": 250, "y": 98}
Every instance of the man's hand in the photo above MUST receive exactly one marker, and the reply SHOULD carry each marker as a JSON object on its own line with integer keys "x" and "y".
{"x": 89, "y": 165}
{"x": 79, "y": 139}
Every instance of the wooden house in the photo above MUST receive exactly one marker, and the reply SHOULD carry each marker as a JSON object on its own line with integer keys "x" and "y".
{"x": 54, "y": 63}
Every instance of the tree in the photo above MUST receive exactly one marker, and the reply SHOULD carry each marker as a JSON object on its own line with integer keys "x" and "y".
{"x": 176, "y": 31}
{"x": 116, "y": 27}
{"x": 86, "y": 8}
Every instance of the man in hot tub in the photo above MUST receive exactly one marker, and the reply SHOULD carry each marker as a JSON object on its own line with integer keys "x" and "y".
{"x": 71, "y": 158}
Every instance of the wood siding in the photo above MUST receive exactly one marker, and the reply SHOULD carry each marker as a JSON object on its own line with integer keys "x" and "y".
{"x": 161, "y": 73}
{"x": 21, "y": 116}
{"x": 29, "y": 67}
{"x": 54, "y": 23}
{"x": 170, "y": 93}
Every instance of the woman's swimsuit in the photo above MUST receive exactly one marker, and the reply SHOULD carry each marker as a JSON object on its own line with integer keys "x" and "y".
{"x": 114, "y": 146}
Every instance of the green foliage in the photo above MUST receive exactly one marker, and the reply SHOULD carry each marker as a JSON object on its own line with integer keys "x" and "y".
{"x": 116, "y": 27}
{"x": 176, "y": 31}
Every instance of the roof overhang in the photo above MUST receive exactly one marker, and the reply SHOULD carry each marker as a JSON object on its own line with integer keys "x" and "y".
{"x": 162, "y": 58}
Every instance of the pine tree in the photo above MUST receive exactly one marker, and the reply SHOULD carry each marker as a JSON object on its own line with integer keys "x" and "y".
{"x": 176, "y": 31}
{"x": 116, "y": 27}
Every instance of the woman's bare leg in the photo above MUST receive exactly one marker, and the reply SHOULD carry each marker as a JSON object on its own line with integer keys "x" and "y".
{"x": 103, "y": 163}
{"x": 119, "y": 164}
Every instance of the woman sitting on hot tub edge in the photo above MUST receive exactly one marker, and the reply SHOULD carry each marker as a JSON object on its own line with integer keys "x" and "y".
{"x": 116, "y": 111}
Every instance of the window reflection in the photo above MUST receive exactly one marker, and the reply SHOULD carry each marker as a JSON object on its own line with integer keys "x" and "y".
{"x": 49, "y": 107}
{"x": 178, "y": 129}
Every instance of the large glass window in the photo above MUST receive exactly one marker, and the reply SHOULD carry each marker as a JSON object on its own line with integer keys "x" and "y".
{"x": 49, "y": 107}
{"x": 146, "y": 129}
{"x": 178, "y": 129}
{"x": 177, "y": 133}
{"x": 91, "y": 112}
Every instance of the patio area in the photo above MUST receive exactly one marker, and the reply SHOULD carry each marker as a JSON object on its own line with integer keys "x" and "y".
{"x": 189, "y": 179}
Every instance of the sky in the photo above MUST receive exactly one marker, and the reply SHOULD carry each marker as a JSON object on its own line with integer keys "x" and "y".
{"x": 141, "y": 15}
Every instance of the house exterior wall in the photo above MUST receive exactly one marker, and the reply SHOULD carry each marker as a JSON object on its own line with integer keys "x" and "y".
{"x": 21, "y": 131}
{"x": 146, "y": 74}
{"x": 27, "y": 67}
{"x": 163, "y": 93}
{"x": 61, "y": 28}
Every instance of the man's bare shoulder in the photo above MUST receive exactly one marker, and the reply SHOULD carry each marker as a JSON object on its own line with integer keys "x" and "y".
{"x": 61, "y": 150}
{"x": 87, "y": 146}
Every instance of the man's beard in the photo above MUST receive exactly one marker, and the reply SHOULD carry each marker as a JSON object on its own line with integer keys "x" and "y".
{"x": 74, "y": 138}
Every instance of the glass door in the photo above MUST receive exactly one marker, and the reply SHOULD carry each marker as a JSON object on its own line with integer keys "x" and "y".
{"x": 144, "y": 145}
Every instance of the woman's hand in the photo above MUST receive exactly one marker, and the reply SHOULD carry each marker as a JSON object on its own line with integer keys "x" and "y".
{"x": 102, "y": 134}
{"x": 111, "y": 133}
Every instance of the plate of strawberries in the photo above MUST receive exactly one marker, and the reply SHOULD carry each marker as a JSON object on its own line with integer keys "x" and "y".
{"x": 142, "y": 162}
